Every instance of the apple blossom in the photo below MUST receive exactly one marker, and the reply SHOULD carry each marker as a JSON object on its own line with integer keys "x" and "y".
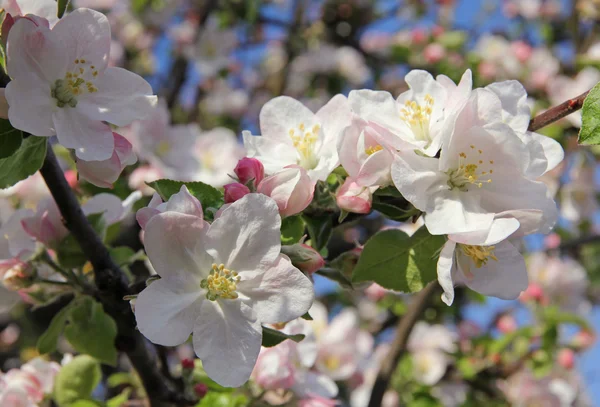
{"x": 218, "y": 151}
{"x": 293, "y": 135}
{"x": 235, "y": 191}
{"x": 15, "y": 244}
{"x": 354, "y": 198}
{"x": 291, "y": 188}
{"x": 249, "y": 169}
{"x": 106, "y": 172}
{"x": 46, "y": 9}
{"x": 421, "y": 118}
{"x": 428, "y": 345}
{"x": 61, "y": 84}
{"x": 306, "y": 258}
{"x": 484, "y": 169}
{"x": 219, "y": 281}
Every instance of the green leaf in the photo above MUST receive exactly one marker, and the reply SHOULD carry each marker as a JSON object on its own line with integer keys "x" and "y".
{"x": 49, "y": 339}
{"x": 123, "y": 255}
{"x": 92, "y": 331}
{"x": 223, "y": 400}
{"x": 62, "y": 7}
{"x": 24, "y": 162}
{"x": 307, "y": 317}
{"x": 590, "y": 121}
{"x": 292, "y": 230}
{"x": 272, "y": 337}
{"x": 320, "y": 229}
{"x": 86, "y": 403}
{"x": 77, "y": 380}
{"x": 69, "y": 251}
{"x": 398, "y": 262}
{"x": 209, "y": 196}
{"x": 119, "y": 400}
{"x": 10, "y": 139}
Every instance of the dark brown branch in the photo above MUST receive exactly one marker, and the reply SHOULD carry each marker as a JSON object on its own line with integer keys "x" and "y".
{"x": 111, "y": 284}
{"x": 557, "y": 112}
{"x": 398, "y": 348}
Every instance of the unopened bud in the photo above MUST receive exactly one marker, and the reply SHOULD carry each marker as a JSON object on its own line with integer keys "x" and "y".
{"x": 200, "y": 389}
{"x": 235, "y": 191}
{"x": 583, "y": 339}
{"x": 187, "y": 364}
{"x": 248, "y": 169}
{"x": 566, "y": 358}
{"x": 307, "y": 259}
{"x": 18, "y": 277}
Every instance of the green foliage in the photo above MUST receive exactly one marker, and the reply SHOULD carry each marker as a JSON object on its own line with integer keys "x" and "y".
{"x": 87, "y": 328}
{"x": 125, "y": 256}
{"x": 590, "y": 125}
{"x": 398, "y": 262}
{"x": 209, "y": 196}
{"x": 292, "y": 230}
{"x": 223, "y": 400}
{"x": 76, "y": 381}
{"x": 25, "y": 161}
{"x": 62, "y": 7}
{"x": 320, "y": 229}
{"x": 69, "y": 251}
{"x": 10, "y": 139}
{"x": 272, "y": 337}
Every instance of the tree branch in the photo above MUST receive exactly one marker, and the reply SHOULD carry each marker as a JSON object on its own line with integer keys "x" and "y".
{"x": 557, "y": 112}
{"x": 111, "y": 284}
{"x": 398, "y": 348}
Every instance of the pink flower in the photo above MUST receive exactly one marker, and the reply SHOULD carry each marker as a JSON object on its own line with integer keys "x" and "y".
{"x": 375, "y": 292}
{"x": 434, "y": 53}
{"x": 181, "y": 202}
{"x": 141, "y": 175}
{"x": 235, "y": 191}
{"x": 15, "y": 244}
{"x": 274, "y": 369}
{"x": 583, "y": 339}
{"x": 104, "y": 173}
{"x": 46, "y": 225}
{"x": 506, "y": 324}
{"x": 307, "y": 259}
{"x": 353, "y": 198}
{"x": 317, "y": 401}
{"x": 249, "y": 169}
{"x": 566, "y": 358}
{"x": 522, "y": 50}
{"x": 291, "y": 188}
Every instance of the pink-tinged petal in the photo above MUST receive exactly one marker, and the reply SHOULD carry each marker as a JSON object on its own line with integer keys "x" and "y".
{"x": 280, "y": 293}
{"x": 84, "y": 34}
{"x": 91, "y": 139}
{"x": 291, "y": 188}
{"x": 30, "y": 107}
{"x": 504, "y": 278}
{"x": 348, "y": 145}
{"x": 282, "y": 113}
{"x": 105, "y": 173}
{"x": 174, "y": 244}
{"x": 166, "y": 314}
{"x": 309, "y": 383}
{"x": 144, "y": 215}
{"x": 246, "y": 236}
{"x": 444, "y": 271}
{"x": 34, "y": 53}
{"x": 354, "y": 198}
{"x": 109, "y": 205}
{"x": 122, "y": 97}
{"x": 227, "y": 338}
{"x": 184, "y": 202}
{"x": 375, "y": 170}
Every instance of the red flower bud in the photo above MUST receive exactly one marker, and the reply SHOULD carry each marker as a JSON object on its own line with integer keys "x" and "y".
{"x": 187, "y": 364}
{"x": 249, "y": 169}
{"x": 235, "y": 191}
{"x": 201, "y": 389}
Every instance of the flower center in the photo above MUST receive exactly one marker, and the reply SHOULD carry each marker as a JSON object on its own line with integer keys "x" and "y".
{"x": 333, "y": 362}
{"x": 418, "y": 116}
{"x": 305, "y": 141}
{"x": 162, "y": 148}
{"x": 479, "y": 254}
{"x": 221, "y": 283}
{"x": 469, "y": 171}
{"x": 373, "y": 149}
{"x": 74, "y": 84}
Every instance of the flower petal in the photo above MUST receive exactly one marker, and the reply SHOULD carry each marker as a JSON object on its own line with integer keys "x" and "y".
{"x": 500, "y": 229}
{"x": 184, "y": 202}
{"x": 279, "y": 294}
{"x": 246, "y": 236}
{"x": 167, "y": 316}
{"x": 309, "y": 383}
{"x": 282, "y": 113}
{"x": 91, "y": 139}
{"x": 122, "y": 97}
{"x": 444, "y": 271}
{"x": 272, "y": 153}
{"x": 227, "y": 338}
{"x": 30, "y": 107}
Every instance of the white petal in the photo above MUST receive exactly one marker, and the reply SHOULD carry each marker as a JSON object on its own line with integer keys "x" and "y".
{"x": 167, "y": 316}
{"x": 272, "y": 153}
{"x": 457, "y": 212}
{"x": 247, "y": 234}
{"x": 84, "y": 34}
{"x": 174, "y": 245}
{"x": 376, "y": 106}
{"x": 279, "y": 294}
{"x": 108, "y": 204}
{"x": 227, "y": 338}
{"x": 335, "y": 117}
{"x": 444, "y": 271}
{"x": 513, "y": 96}
{"x": 184, "y": 202}
{"x": 505, "y": 278}
{"x": 91, "y": 139}
{"x": 546, "y": 154}
{"x": 311, "y": 383}
{"x": 122, "y": 97}
{"x": 283, "y": 113}
{"x": 500, "y": 229}
{"x": 30, "y": 107}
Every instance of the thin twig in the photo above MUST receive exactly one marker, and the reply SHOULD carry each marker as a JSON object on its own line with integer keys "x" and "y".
{"x": 557, "y": 112}
{"x": 398, "y": 347}
{"x": 111, "y": 284}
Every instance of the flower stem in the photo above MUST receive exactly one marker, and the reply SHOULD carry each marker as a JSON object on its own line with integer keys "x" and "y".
{"x": 557, "y": 112}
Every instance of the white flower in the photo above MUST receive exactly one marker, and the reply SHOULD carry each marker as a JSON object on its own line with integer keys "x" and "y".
{"x": 47, "y": 9}
{"x": 483, "y": 170}
{"x": 292, "y": 134}
{"x": 429, "y": 345}
{"x": 219, "y": 281}
{"x": 218, "y": 152}
{"x": 421, "y": 117}
{"x": 61, "y": 84}
{"x": 15, "y": 243}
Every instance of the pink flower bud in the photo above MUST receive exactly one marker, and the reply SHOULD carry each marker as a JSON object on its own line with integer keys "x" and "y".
{"x": 583, "y": 339}
{"x": 291, "y": 188}
{"x": 522, "y": 50}
{"x": 434, "y": 53}
{"x": 566, "y": 358}
{"x": 104, "y": 173}
{"x": 248, "y": 169}
{"x": 200, "y": 389}
{"x": 307, "y": 259}
{"x": 487, "y": 70}
{"x": 353, "y": 198}
{"x": 534, "y": 292}
{"x": 418, "y": 35}
{"x": 235, "y": 191}
{"x": 506, "y": 324}
{"x": 375, "y": 292}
